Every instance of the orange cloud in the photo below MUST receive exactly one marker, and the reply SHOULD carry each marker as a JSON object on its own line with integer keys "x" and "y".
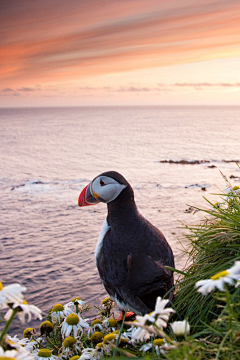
{"x": 58, "y": 41}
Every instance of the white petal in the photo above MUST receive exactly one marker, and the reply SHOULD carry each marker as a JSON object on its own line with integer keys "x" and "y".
{"x": 8, "y": 314}
{"x": 145, "y": 347}
{"x": 68, "y": 331}
{"x": 21, "y": 317}
{"x": 161, "y": 323}
{"x": 75, "y": 331}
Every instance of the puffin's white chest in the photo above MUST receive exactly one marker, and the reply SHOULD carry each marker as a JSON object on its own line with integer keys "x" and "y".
{"x": 104, "y": 229}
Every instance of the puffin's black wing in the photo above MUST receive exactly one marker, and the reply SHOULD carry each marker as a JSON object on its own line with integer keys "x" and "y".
{"x": 134, "y": 271}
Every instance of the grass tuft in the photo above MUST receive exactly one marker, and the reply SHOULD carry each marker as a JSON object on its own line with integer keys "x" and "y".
{"x": 214, "y": 246}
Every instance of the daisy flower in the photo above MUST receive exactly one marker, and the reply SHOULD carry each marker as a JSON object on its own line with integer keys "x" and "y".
{"x": 157, "y": 344}
{"x": 14, "y": 342}
{"x": 151, "y": 323}
{"x": 15, "y": 354}
{"x": 24, "y": 309}
{"x": 75, "y": 323}
{"x": 44, "y": 354}
{"x": 95, "y": 326}
{"x": 75, "y": 302}
{"x": 180, "y": 328}
{"x": 160, "y": 314}
{"x": 232, "y": 191}
{"x": 218, "y": 280}
{"x": 59, "y": 312}
{"x": 70, "y": 346}
{"x": 11, "y": 294}
{"x": 144, "y": 328}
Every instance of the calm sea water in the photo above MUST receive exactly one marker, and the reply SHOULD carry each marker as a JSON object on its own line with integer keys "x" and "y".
{"x": 48, "y": 155}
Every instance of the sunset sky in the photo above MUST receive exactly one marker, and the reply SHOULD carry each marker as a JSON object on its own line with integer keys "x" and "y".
{"x": 119, "y": 52}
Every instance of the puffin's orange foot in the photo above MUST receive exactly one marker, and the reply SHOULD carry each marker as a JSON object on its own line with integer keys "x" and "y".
{"x": 129, "y": 316}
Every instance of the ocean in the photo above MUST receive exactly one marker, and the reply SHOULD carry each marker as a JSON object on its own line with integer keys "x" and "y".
{"x": 47, "y": 156}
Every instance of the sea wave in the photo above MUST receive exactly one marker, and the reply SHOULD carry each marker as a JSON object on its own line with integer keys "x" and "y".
{"x": 40, "y": 185}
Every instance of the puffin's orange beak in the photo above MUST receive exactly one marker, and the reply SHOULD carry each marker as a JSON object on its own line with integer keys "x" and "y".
{"x": 86, "y": 198}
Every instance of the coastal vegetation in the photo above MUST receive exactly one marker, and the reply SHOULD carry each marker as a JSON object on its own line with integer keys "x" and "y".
{"x": 202, "y": 322}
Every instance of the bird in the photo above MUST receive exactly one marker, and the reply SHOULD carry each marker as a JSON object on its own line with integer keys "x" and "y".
{"x": 131, "y": 254}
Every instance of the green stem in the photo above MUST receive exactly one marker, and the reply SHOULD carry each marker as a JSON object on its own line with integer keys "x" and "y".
{"x": 221, "y": 345}
{"x": 14, "y": 311}
{"x": 153, "y": 352}
{"x": 175, "y": 270}
{"x": 230, "y": 312}
{"x": 50, "y": 342}
{"x": 119, "y": 336}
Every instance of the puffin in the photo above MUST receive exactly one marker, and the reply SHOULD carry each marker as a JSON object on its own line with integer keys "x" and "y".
{"x": 131, "y": 254}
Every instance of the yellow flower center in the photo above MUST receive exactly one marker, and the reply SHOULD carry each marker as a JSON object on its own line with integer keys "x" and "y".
{"x": 7, "y": 358}
{"x": 72, "y": 319}
{"x": 235, "y": 187}
{"x": 96, "y": 337}
{"x": 24, "y": 302}
{"x": 219, "y": 275}
{"x": 46, "y": 327}
{"x": 99, "y": 345}
{"x": 112, "y": 323}
{"x": 76, "y": 357}
{"x": 108, "y": 338}
{"x": 28, "y": 332}
{"x": 104, "y": 301}
{"x": 96, "y": 321}
{"x": 44, "y": 353}
{"x": 123, "y": 341}
{"x": 1, "y": 287}
{"x": 57, "y": 307}
{"x": 47, "y": 324}
{"x": 69, "y": 341}
{"x": 158, "y": 342}
{"x": 75, "y": 298}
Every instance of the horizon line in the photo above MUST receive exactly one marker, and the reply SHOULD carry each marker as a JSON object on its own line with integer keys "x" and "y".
{"x": 116, "y": 106}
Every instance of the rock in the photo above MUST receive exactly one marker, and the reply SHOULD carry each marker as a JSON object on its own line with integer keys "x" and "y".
{"x": 17, "y": 186}
{"x": 229, "y": 161}
{"x": 189, "y": 210}
{"x": 185, "y": 162}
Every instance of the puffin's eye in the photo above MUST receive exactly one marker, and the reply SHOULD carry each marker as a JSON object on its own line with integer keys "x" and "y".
{"x": 102, "y": 183}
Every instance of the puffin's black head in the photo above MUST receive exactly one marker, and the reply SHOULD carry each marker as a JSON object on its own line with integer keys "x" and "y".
{"x": 106, "y": 187}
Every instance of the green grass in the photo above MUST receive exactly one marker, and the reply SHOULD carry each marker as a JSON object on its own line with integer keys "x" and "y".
{"x": 214, "y": 246}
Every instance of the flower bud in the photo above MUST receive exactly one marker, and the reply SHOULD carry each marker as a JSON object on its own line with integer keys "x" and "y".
{"x": 96, "y": 337}
{"x": 46, "y": 327}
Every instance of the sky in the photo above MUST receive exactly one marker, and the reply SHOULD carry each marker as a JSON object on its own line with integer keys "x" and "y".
{"x": 119, "y": 52}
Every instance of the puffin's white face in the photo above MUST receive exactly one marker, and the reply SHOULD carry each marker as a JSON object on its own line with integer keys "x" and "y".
{"x": 105, "y": 189}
